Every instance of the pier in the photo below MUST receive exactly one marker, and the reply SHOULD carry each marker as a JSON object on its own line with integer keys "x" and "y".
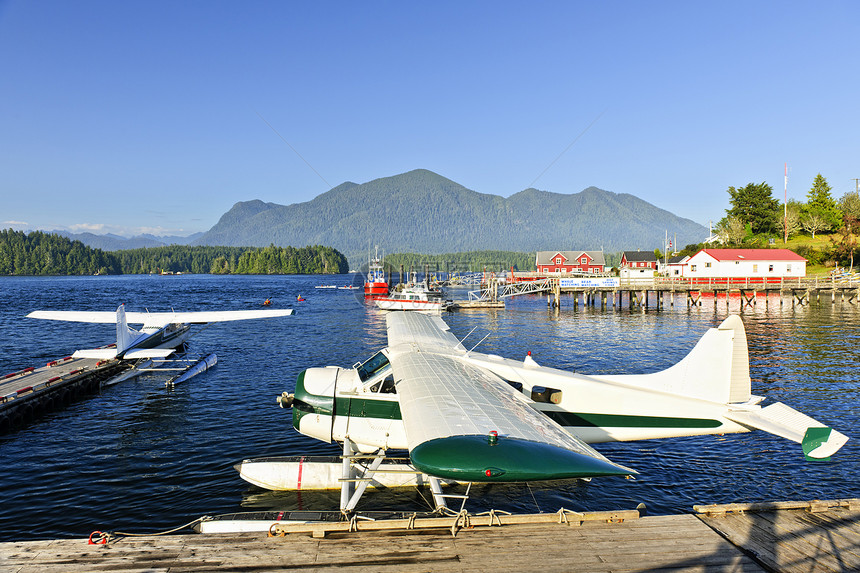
{"x": 782, "y": 536}
{"x": 613, "y": 292}
{"x": 28, "y": 393}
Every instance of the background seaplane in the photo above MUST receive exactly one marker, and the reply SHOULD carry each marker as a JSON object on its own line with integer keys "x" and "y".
{"x": 473, "y": 417}
{"x": 161, "y": 334}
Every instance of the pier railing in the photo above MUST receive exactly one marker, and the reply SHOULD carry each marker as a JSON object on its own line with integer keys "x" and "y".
{"x": 497, "y": 289}
{"x": 691, "y": 283}
{"x": 732, "y": 283}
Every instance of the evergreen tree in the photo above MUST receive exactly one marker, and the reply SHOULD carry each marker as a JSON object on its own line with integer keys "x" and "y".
{"x": 754, "y": 205}
{"x": 821, "y": 205}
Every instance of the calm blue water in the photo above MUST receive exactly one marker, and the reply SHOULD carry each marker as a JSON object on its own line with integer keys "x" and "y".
{"x": 138, "y": 457}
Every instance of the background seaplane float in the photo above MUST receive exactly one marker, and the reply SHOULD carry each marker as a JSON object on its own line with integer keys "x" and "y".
{"x": 464, "y": 416}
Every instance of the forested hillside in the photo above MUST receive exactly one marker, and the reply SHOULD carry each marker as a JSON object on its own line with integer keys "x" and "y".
{"x": 39, "y": 253}
{"x": 474, "y": 261}
{"x": 421, "y": 211}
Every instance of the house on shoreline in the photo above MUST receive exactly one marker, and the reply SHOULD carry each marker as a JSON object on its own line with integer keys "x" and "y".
{"x": 638, "y": 264}
{"x": 588, "y": 262}
{"x": 762, "y": 264}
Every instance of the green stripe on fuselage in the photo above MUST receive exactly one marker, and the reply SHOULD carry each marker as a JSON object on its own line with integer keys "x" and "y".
{"x": 390, "y": 410}
{"x": 587, "y": 420}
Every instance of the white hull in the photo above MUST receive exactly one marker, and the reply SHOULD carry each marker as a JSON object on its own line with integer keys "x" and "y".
{"x": 387, "y": 304}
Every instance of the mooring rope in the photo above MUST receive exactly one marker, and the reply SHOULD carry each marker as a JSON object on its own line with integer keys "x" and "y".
{"x": 104, "y": 537}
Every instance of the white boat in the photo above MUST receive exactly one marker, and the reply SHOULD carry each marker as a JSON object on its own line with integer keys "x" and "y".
{"x": 412, "y": 299}
{"x": 326, "y": 286}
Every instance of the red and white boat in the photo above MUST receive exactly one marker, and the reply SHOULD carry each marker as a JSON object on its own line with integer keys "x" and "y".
{"x": 375, "y": 284}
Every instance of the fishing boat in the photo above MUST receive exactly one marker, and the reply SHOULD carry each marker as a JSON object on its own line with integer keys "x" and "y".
{"x": 375, "y": 284}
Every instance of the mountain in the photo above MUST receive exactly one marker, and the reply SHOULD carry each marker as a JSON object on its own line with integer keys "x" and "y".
{"x": 111, "y": 242}
{"x": 423, "y": 212}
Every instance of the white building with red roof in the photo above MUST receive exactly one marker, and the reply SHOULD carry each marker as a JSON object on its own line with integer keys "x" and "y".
{"x": 744, "y": 263}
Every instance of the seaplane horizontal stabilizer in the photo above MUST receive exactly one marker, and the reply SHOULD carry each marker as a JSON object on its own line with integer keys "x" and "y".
{"x": 96, "y": 353}
{"x": 817, "y": 440}
{"x": 148, "y": 353}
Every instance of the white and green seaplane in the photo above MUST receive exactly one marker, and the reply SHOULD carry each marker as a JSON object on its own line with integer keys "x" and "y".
{"x": 471, "y": 417}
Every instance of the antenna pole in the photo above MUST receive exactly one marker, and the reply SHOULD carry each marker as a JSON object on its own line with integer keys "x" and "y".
{"x": 785, "y": 208}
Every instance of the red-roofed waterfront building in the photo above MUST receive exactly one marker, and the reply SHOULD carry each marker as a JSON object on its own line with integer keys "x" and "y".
{"x": 590, "y": 262}
{"x": 745, "y": 263}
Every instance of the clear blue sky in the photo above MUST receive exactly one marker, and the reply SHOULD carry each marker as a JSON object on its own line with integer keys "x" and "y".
{"x": 131, "y": 116}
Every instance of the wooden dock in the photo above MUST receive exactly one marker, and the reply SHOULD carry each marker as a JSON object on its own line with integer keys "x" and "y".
{"x": 805, "y": 536}
{"x": 26, "y": 394}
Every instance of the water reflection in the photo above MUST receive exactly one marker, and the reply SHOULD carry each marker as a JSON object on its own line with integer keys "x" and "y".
{"x": 137, "y": 457}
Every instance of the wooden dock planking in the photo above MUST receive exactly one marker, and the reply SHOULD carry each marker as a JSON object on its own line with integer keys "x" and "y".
{"x": 663, "y": 543}
{"x": 795, "y": 539}
{"x": 783, "y": 536}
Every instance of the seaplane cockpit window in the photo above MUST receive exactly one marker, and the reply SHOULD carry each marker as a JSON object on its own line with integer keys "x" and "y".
{"x": 373, "y": 365}
{"x": 385, "y": 386}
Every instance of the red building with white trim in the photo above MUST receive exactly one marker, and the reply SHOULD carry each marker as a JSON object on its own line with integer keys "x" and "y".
{"x": 589, "y": 262}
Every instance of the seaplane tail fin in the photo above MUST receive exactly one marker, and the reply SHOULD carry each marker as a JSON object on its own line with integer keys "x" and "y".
{"x": 717, "y": 369}
{"x": 124, "y": 335}
{"x": 817, "y": 440}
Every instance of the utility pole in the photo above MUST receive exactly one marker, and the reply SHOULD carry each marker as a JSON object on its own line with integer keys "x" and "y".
{"x": 857, "y": 185}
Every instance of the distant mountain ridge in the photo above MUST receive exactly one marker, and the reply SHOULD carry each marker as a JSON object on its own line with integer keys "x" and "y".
{"x": 111, "y": 242}
{"x": 421, "y": 211}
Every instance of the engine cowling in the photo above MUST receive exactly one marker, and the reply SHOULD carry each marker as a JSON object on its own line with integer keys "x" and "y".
{"x": 313, "y": 403}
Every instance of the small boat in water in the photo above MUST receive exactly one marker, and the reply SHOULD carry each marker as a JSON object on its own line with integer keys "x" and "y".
{"x": 326, "y": 286}
{"x": 412, "y": 299}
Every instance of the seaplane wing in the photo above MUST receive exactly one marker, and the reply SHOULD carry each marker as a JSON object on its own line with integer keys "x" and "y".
{"x": 204, "y": 317}
{"x": 463, "y": 422}
{"x": 420, "y": 329}
{"x": 160, "y": 318}
{"x": 105, "y": 317}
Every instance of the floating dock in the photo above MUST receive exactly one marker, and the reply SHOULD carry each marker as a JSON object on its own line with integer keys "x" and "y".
{"x": 27, "y": 394}
{"x": 784, "y": 536}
